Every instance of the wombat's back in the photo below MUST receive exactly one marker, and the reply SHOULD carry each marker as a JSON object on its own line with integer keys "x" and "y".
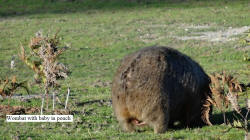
{"x": 158, "y": 82}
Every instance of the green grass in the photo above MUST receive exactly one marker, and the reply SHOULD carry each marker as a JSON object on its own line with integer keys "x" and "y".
{"x": 101, "y": 33}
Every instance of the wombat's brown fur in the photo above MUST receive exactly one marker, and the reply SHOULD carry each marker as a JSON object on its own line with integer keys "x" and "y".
{"x": 158, "y": 86}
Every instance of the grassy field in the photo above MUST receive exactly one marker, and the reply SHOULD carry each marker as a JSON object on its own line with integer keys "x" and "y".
{"x": 101, "y": 33}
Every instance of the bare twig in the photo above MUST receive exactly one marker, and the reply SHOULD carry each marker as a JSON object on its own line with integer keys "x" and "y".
{"x": 53, "y": 101}
{"x": 42, "y": 105}
{"x": 66, "y": 102}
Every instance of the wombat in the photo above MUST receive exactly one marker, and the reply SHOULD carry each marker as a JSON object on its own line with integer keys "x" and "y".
{"x": 158, "y": 86}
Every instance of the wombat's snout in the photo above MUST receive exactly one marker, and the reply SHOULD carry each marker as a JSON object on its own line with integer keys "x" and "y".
{"x": 157, "y": 86}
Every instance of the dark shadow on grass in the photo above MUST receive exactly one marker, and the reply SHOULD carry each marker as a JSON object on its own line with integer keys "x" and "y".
{"x": 12, "y": 8}
{"x": 217, "y": 119}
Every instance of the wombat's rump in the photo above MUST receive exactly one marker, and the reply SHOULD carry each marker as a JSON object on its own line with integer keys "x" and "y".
{"x": 158, "y": 86}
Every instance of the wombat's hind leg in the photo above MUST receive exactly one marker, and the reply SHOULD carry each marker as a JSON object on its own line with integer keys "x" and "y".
{"x": 160, "y": 126}
{"x": 127, "y": 125}
{"x": 159, "y": 122}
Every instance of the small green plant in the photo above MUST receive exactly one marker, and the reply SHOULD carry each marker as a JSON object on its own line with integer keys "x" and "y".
{"x": 43, "y": 60}
{"x": 245, "y": 41}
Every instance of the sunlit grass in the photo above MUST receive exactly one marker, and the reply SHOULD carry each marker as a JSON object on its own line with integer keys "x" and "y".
{"x": 100, "y": 34}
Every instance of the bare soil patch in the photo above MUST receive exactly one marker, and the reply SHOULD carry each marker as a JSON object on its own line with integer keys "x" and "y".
{"x": 20, "y": 110}
{"x": 215, "y": 36}
{"x": 17, "y": 110}
{"x": 149, "y": 32}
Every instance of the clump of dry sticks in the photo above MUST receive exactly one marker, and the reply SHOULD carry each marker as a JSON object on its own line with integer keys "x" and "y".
{"x": 9, "y": 86}
{"x": 43, "y": 60}
{"x": 225, "y": 90}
